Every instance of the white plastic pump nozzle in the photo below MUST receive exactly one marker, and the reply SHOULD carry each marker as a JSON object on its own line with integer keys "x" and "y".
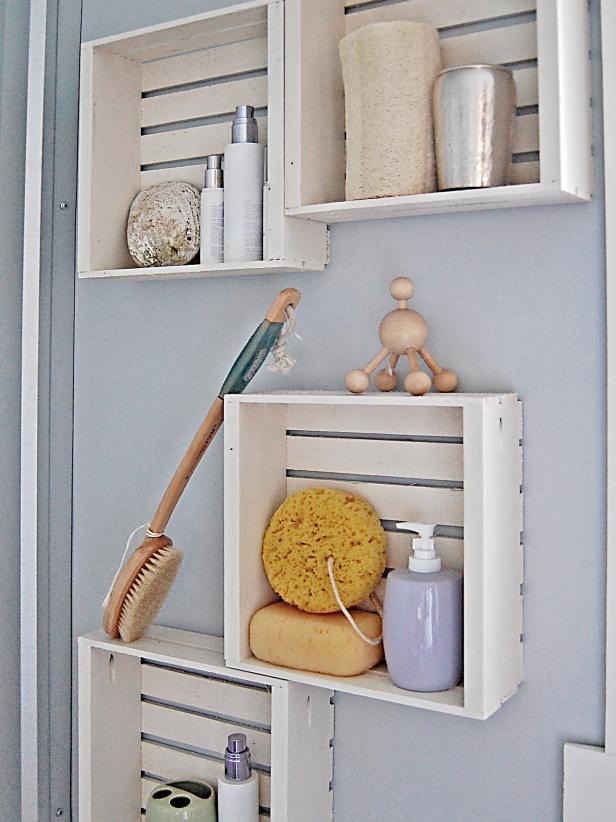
{"x": 423, "y": 559}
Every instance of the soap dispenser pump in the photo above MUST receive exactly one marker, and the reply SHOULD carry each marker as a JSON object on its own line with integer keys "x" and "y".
{"x": 422, "y": 618}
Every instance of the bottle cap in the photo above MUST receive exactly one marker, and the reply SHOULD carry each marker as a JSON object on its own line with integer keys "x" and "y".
{"x": 213, "y": 171}
{"x": 245, "y": 128}
{"x": 423, "y": 559}
{"x": 237, "y": 758}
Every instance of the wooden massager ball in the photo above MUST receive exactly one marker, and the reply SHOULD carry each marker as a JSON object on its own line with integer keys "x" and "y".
{"x": 403, "y": 332}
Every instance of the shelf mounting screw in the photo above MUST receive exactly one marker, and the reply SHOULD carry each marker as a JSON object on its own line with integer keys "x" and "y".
{"x": 63, "y": 205}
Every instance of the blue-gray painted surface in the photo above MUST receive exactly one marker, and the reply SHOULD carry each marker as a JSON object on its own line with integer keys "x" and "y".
{"x": 515, "y": 301}
{"x": 13, "y": 78}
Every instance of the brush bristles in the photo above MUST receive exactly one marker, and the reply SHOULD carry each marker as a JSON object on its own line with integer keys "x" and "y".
{"x": 147, "y": 593}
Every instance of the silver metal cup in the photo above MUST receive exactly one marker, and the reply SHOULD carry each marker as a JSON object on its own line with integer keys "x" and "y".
{"x": 474, "y": 111}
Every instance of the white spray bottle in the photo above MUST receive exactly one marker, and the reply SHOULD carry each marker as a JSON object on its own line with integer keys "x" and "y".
{"x": 238, "y": 789}
{"x": 243, "y": 197}
{"x": 212, "y": 212}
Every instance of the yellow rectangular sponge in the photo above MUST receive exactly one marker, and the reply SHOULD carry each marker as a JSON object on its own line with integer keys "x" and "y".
{"x": 323, "y": 643}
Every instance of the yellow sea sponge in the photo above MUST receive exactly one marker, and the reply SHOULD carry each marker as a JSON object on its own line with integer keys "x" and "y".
{"x": 308, "y": 528}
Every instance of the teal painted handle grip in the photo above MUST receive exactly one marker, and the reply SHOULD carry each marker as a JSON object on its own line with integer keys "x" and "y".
{"x": 251, "y": 358}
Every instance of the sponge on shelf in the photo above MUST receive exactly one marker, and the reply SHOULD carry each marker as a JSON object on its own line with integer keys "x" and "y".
{"x": 389, "y": 71}
{"x": 323, "y": 643}
{"x": 308, "y": 528}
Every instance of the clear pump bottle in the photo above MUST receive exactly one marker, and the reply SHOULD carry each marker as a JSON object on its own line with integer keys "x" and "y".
{"x": 422, "y": 619}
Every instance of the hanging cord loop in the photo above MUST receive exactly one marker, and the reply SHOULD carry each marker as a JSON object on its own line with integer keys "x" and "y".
{"x": 283, "y": 362}
{"x": 341, "y": 605}
{"x": 150, "y": 535}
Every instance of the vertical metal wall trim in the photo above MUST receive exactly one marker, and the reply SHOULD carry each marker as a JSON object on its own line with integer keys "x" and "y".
{"x": 608, "y": 38}
{"x": 47, "y": 405}
{"x": 30, "y": 719}
{"x": 590, "y": 771}
{"x": 14, "y": 32}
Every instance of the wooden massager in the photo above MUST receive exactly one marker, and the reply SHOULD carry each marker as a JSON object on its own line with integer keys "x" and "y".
{"x": 403, "y": 332}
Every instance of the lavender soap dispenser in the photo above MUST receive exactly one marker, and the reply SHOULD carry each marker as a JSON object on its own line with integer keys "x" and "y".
{"x": 422, "y": 619}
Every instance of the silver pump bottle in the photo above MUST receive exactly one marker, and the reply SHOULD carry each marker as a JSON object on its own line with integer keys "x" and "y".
{"x": 238, "y": 766}
{"x": 245, "y": 128}
{"x": 238, "y": 789}
{"x": 213, "y": 171}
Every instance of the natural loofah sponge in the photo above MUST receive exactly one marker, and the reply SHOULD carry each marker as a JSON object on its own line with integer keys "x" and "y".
{"x": 308, "y": 528}
{"x": 389, "y": 71}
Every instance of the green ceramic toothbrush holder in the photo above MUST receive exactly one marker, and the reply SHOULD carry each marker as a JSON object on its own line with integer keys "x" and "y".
{"x": 182, "y": 801}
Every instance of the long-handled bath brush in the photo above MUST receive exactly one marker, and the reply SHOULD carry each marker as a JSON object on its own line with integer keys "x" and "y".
{"x": 142, "y": 584}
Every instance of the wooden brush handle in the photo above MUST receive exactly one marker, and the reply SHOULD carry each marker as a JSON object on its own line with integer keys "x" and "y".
{"x": 277, "y": 310}
{"x": 185, "y": 469}
{"x": 209, "y": 427}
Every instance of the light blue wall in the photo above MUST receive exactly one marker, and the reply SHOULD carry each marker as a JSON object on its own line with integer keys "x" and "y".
{"x": 515, "y": 302}
{"x": 13, "y": 69}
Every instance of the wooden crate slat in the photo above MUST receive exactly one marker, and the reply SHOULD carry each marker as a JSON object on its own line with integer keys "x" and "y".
{"x": 373, "y": 684}
{"x": 109, "y": 118}
{"x": 109, "y": 734}
{"x": 434, "y": 461}
{"x": 194, "y": 270}
{"x": 188, "y": 143}
{"x": 441, "y": 15}
{"x": 198, "y": 66}
{"x": 398, "y": 502}
{"x": 201, "y": 42}
{"x": 171, "y": 764}
{"x": 526, "y": 134}
{"x": 426, "y": 422}
{"x": 210, "y": 101}
{"x": 450, "y": 550}
{"x": 507, "y": 44}
{"x": 203, "y": 732}
{"x": 215, "y": 696}
{"x": 523, "y": 173}
{"x": 527, "y": 86}
{"x": 439, "y": 202}
{"x": 193, "y": 174}
{"x": 202, "y": 31}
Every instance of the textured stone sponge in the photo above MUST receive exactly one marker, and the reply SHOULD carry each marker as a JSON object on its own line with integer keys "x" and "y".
{"x": 308, "y": 528}
{"x": 389, "y": 71}
{"x": 163, "y": 225}
{"x": 323, "y": 643}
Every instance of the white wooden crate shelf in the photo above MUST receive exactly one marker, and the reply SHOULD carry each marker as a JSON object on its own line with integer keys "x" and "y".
{"x": 161, "y": 708}
{"x": 546, "y": 44}
{"x": 193, "y": 272}
{"x": 453, "y": 459}
{"x": 154, "y": 102}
